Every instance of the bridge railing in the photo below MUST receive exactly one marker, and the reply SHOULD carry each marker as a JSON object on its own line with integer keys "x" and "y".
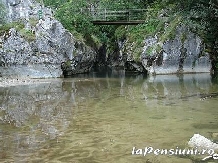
{"x": 125, "y": 15}
{"x": 102, "y": 14}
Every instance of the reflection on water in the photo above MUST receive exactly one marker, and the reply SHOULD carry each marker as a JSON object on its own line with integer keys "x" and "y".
{"x": 101, "y": 117}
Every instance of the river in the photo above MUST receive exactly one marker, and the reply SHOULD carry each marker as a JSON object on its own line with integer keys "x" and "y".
{"x": 99, "y": 118}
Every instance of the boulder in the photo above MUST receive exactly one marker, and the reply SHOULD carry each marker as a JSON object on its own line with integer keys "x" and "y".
{"x": 201, "y": 142}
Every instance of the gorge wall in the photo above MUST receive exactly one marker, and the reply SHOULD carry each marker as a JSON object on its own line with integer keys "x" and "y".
{"x": 37, "y": 44}
{"x": 182, "y": 53}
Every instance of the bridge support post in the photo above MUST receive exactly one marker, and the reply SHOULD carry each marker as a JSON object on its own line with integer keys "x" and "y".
{"x": 105, "y": 12}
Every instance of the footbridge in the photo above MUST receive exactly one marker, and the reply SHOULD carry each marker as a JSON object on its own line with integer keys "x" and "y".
{"x": 117, "y": 17}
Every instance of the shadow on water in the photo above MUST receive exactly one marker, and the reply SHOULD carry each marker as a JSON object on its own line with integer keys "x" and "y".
{"x": 64, "y": 118}
{"x": 109, "y": 73}
{"x": 214, "y": 78}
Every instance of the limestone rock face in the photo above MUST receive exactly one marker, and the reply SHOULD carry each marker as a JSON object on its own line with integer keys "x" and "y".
{"x": 39, "y": 47}
{"x": 181, "y": 54}
{"x": 82, "y": 61}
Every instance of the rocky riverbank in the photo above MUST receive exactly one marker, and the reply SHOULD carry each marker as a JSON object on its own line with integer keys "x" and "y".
{"x": 12, "y": 81}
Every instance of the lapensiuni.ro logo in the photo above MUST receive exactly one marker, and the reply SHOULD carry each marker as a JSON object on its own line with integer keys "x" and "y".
{"x": 177, "y": 151}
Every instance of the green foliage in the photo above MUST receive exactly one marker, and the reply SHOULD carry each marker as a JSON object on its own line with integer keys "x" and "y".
{"x": 201, "y": 16}
{"x": 51, "y": 3}
{"x": 150, "y": 50}
{"x": 161, "y": 18}
{"x": 170, "y": 31}
{"x": 2, "y": 14}
{"x": 27, "y": 34}
{"x": 19, "y": 26}
{"x": 6, "y": 27}
{"x": 139, "y": 32}
{"x": 153, "y": 24}
{"x": 125, "y": 4}
{"x": 78, "y": 36}
{"x": 74, "y": 17}
{"x": 120, "y": 32}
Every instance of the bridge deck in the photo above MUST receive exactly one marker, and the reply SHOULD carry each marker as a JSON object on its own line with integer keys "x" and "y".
{"x": 119, "y": 17}
{"x": 99, "y": 22}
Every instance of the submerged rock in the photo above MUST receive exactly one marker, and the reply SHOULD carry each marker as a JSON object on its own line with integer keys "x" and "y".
{"x": 201, "y": 142}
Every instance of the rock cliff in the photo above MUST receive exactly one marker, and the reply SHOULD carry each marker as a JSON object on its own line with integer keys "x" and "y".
{"x": 183, "y": 53}
{"x": 37, "y": 44}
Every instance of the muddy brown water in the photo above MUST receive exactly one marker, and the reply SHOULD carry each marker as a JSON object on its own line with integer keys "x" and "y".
{"x": 95, "y": 119}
